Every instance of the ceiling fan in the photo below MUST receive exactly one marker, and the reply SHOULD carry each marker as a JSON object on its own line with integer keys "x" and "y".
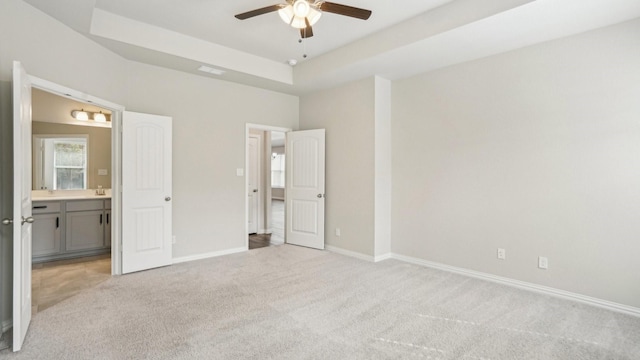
{"x": 303, "y": 14}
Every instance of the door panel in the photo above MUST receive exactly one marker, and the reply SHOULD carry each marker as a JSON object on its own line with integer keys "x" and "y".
{"x": 46, "y": 235}
{"x": 21, "y": 204}
{"x": 85, "y": 230}
{"x": 146, "y": 192}
{"x": 305, "y": 181}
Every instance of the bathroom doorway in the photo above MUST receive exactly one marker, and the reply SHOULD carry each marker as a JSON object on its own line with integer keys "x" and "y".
{"x": 72, "y": 173}
{"x": 265, "y": 173}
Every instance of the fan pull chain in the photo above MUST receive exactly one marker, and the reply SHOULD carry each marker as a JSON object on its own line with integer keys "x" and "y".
{"x": 304, "y": 44}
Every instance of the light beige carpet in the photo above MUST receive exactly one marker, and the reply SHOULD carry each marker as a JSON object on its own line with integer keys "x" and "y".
{"x": 286, "y": 302}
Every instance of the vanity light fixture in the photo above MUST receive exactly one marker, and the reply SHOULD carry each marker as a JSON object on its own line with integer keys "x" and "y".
{"x": 88, "y": 115}
{"x": 80, "y": 115}
{"x": 99, "y": 117}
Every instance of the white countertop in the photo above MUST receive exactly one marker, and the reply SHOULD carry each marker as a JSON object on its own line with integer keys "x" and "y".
{"x": 55, "y": 195}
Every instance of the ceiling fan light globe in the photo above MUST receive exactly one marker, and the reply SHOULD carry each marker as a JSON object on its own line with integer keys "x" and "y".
{"x": 314, "y": 16}
{"x": 301, "y": 8}
{"x": 298, "y": 22}
{"x": 286, "y": 14}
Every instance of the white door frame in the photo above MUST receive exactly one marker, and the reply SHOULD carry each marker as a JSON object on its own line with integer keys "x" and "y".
{"x": 248, "y": 127}
{"x": 258, "y": 211}
{"x": 116, "y": 159}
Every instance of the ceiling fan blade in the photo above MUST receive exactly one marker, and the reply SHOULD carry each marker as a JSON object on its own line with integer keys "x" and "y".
{"x": 345, "y": 10}
{"x": 256, "y": 12}
{"x": 306, "y": 32}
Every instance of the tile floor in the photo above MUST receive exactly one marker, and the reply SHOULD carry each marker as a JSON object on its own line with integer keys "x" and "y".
{"x": 55, "y": 281}
{"x": 257, "y": 241}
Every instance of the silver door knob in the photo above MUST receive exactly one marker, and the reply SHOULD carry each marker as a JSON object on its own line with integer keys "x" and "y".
{"x": 168, "y": 198}
{"x": 29, "y": 220}
{"x": 7, "y": 221}
{"x": 255, "y": 190}
{"x": 320, "y": 196}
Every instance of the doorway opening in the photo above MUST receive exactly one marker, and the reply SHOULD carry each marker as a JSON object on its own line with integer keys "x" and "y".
{"x": 265, "y": 179}
{"x": 71, "y": 194}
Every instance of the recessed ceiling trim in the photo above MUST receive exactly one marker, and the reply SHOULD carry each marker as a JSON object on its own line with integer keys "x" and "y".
{"x": 119, "y": 28}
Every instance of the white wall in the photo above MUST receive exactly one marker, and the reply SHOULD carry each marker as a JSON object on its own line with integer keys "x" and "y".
{"x": 535, "y": 151}
{"x": 209, "y": 119}
{"x": 347, "y": 114}
{"x": 382, "y": 154}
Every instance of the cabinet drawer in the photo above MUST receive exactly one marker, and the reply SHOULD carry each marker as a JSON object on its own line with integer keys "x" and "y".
{"x": 43, "y": 207}
{"x": 84, "y": 205}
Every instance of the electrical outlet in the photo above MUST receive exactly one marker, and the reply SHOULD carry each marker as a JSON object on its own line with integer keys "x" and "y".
{"x": 337, "y": 231}
{"x": 543, "y": 262}
{"x": 173, "y": 239}
{"x": 502, "y": 254}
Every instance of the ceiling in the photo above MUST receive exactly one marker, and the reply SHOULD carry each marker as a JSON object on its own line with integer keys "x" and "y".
{"x": 400, "y": 39}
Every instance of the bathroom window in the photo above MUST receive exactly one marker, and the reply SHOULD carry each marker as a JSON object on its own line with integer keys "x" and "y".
{"x": 277, "y": 170}
{"x": 70, "y": 164}
{"x": 60, "y": 163}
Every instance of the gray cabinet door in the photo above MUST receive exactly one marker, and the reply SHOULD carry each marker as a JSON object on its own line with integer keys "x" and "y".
{"x": 85, "y": 230}
{"x": 46, "y": 234}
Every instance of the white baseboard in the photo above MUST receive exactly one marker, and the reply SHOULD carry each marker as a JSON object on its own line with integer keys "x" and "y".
{"x": 208, "y": 255}
{"x": 350, "y": 253}
{"x": 605, "y": 304}
{"x": 383, "y": 257}
{"x": 357, "y": 255}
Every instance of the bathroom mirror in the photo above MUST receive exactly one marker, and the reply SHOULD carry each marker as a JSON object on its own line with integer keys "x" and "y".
{"x": 51, "y": 115}
{"x": 60, "y": 162}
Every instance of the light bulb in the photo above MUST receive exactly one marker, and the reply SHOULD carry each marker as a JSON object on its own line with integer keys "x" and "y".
{"x": 301, "y": 8}
{"x": 99, "y": 117}
{"x": 80, "y": 115}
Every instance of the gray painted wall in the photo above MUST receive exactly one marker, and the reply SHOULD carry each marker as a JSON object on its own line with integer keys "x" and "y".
{"x": 535, "y": 151}
{"x": 347, "y": 114}
{"x": 209, "y": 119}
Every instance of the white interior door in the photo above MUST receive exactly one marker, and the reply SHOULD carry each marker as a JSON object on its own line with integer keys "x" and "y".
{"x": 253, "y": 183}
{"x": 146, "y": 191}
{"x": 22, "y": 218}
{"x": 305, "y": 188}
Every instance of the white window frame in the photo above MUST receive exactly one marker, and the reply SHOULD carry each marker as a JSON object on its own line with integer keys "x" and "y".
{"x": 39, "y": 163}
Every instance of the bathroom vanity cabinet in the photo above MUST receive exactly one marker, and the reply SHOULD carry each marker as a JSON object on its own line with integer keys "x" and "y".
{"x": 71, "y": 228}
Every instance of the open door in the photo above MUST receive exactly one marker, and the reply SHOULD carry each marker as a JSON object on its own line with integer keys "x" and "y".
{"x": 253, "y": 178}
{"x": 22, "y": 218}
{"x": 146, "y": 191}
{"x": 305, "y": 188}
